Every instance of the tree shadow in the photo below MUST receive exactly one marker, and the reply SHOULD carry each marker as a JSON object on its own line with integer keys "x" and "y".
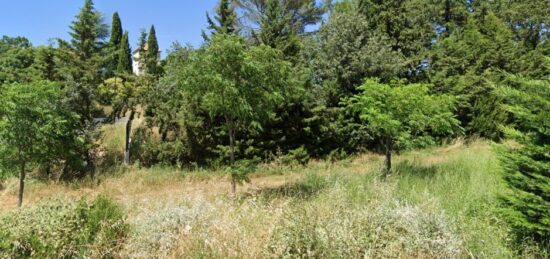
{"x": 408, "y": 168}
{"x": 305, "y": 189}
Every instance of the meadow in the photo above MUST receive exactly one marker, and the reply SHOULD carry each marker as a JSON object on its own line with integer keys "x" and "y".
{"x": 441, "y": 203}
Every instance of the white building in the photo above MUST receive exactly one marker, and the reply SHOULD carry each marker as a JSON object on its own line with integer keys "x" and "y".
{"x": 138, "y": 66}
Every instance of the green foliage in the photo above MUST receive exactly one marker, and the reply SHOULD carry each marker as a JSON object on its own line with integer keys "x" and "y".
{"x": 399, "y": 116}
{"x": 61, "y": 229}
{"x": 124, "y": 65}
{"x": 225, "y": 20}
{"x": 528, "y": 165}
{"x": 462, "y": 64}
{"x": 240, "y": 85}
{"x": 528, "y": 19}
{"x": 16, "y": 60}
{"x": 300, "y": 13}
{"x": 297, "y": 156}
{"x": 88, "y": 31}
{"x": 113, "y": 46}
{"x": 152, "y": 54}
{"x": 407, "y": 25}
{"x": 116, "y": 31}
{"x": 37, "y": 129}
{"x": 277, "y": 31}
{"x": 349, "y": 52}
{"x": 401, "y": 113}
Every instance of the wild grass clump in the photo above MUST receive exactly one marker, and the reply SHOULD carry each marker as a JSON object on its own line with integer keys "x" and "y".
{"x": 62, "y": 229}
{"x": 333, "y": 227}
{"x": 157, "y": 232}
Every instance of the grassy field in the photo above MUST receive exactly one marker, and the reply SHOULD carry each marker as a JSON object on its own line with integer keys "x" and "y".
{"x": 441, "y": 203}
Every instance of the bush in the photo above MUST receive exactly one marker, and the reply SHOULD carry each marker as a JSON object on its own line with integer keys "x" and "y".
{"x": 61, "y": 229}
{"x": 297, "y": 156}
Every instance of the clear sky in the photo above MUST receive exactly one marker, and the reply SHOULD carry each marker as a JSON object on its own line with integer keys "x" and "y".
{"x": 41, "y": 20}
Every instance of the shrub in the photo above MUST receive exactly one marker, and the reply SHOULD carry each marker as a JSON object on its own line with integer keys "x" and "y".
{"x": 297, "y": 156}
{"x": 61, "y": 229}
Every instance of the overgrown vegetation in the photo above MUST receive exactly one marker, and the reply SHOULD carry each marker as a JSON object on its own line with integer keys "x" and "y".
{"x": 440, "y": 203}
{"x": 61, "y": 229}
{"x": 278, "y": 84}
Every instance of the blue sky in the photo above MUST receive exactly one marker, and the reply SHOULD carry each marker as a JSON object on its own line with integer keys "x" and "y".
{"x": 174, "y": 20}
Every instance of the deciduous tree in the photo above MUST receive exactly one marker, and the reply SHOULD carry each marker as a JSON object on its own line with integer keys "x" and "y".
{"x": 35, "y": 126}
{"x": 398, "y": 115}
{"x": 240, "y": 85}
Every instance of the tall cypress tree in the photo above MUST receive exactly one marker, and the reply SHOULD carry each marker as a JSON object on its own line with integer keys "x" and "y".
{"x": 114, "y": 46}
{"x": 116, "y": 30}
{"x": 125, "y": 56}
{"x": 225, "y": 20}
{"x": 152, "y": 52}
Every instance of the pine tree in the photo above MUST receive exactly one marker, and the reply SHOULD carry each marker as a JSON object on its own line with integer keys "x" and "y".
{"x": 528, "y": 165}
{"x": 462, "y": 63}
{"x": 277, "y": 31}
{"x": 80, "y": 65}
{"x": 152, "y": 53}
{"x": 408, "y": 26}
{"x": 88, "y": 31}
{"x": 450, "y": 14}
{"x": 225, "y": 20}
{"x": 302, "y": 13}
{"x": 125, "y": 56}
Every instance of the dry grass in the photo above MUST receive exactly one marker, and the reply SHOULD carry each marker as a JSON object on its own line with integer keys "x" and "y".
{"x": 137, "y": 187}
{"x": 324, "y": 210}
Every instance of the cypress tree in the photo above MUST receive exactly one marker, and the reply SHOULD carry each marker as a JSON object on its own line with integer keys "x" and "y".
{"x": 125, "y": 56}
{"x": 152, "y": 52}
{"x": 225, "y": 20}
{"x": 142, "y": 58}
{"x": 116, "y": 31}
{"x": 114, "y": 46}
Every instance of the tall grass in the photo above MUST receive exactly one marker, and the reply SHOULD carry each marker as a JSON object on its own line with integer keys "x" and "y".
{"x": 440, "y": 203}
{"x": 466, "y": 187}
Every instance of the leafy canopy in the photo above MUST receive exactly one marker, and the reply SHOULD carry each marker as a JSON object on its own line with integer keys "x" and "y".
{"x": 237, "y": 82}
{"x": 35, "y": 125}
{"x": 401, "y": 115}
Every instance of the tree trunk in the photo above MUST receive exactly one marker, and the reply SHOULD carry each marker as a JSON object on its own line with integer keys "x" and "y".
{"x": 388, "y": 163}
{"x": 128, "y": 141}
{"x": 232, "y": 156}
{"x": 388, "y": 146}
{"x": 21, "y": 182}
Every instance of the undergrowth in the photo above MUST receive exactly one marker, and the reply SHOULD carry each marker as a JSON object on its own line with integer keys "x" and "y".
{"x": 440, "y": 203}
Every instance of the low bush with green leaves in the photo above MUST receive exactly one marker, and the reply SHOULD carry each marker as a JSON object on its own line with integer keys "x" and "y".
{"x": 61, "y": 229}
{"x": 299, "y": 156}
